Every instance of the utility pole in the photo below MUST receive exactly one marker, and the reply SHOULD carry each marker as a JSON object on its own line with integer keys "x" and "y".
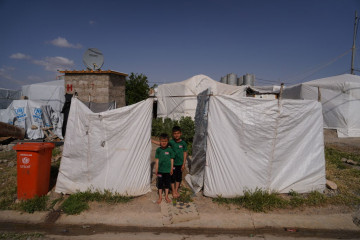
{"x": 354, "y": 40}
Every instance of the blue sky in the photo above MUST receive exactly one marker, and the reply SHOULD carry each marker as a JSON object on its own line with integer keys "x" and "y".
{"x": 278, "y": 41}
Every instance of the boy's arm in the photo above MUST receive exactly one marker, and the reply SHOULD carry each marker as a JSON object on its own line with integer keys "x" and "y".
{"x": 172, "y": 166}
{"x": 183, "y": 166}
{"x": 156, "y": 166}
{"x": 155, "y": 142}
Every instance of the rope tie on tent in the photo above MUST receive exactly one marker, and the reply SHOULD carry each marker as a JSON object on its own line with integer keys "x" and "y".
{"x": 275, "y": 137}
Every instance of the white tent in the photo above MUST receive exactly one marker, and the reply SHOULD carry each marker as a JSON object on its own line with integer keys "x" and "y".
{"x": 28, "y": 113}
{"x": 52, "y": 93}
{"x": 258, "y": 143}
{"x": 178, "y": 99}
{"x": 340, "y": 98}
{"x": 108, "y": 150}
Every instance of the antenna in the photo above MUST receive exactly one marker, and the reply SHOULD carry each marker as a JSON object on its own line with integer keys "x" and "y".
{"x": 93, "y": 59}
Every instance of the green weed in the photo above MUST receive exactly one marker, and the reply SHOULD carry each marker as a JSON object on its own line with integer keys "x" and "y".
{"x": 185, "y": 195}
{"x": 34, "y": 204}
{"x": 56, "y": 151}
{"x": 257, "y": 200}
{"x": 20, "y": 236}
{"x": 78, "y": 202}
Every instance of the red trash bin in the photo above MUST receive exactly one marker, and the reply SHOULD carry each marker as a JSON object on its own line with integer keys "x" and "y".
{"x": 33, "y": 169}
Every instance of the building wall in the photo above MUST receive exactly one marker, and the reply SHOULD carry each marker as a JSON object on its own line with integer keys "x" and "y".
{"x": 99, "y": 88}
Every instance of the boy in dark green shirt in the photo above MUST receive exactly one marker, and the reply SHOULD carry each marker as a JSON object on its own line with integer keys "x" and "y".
{"x": 164, "y": 163}
{"x": 180, "y": 148}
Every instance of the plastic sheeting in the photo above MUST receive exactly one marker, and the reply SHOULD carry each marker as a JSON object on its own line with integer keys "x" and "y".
{"x": 7, "y": 96}
{"x": 108, "y": 150}
{"x": 256, "y": 143}
{"x": 28, "y": 113}
{"x": 195, "y": 178}
{"x": 52, "y": 93}
{"x": 340, "y": 98}
{"x": 176, "y": 100}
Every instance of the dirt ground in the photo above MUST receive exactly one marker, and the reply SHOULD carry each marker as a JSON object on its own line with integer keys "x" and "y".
{"x": 206, "y": 205}
{"x": 351, "y": 145}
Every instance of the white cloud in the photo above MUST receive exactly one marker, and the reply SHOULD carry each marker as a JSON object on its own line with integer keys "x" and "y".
{"x": 19, "y": 56}
{"x": 62, "y": 42}
{"x": 91, "y": 22}
{"x": 5, "y": 72}
{"x": 6, "y": 77}
{"x": 53, "y": 64}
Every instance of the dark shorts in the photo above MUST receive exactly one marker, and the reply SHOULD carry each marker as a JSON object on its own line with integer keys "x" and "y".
{"x": 163, "y": 181}
{"x": 177, "y": 174}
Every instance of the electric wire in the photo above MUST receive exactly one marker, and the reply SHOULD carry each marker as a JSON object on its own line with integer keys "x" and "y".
{"x": 312, "y": 71}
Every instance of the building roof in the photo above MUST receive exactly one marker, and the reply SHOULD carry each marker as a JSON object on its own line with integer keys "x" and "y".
{"x": 92, "y": 72}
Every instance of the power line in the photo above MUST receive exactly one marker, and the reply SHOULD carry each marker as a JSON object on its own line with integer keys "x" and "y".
{"x": 316, "y": 69}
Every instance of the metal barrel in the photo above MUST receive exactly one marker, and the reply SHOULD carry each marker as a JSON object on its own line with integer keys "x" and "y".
{"x": 232, "y": 79}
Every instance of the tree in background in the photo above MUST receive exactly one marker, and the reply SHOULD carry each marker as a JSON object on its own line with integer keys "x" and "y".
{"x": 136, "y": 88}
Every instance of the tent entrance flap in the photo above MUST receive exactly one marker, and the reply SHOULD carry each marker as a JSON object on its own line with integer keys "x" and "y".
{"x": 108, "y": 150}
{"x": 195, "y": 178}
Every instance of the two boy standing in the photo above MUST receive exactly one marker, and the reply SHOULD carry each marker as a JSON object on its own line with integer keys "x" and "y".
{"x": 170, "y": 160}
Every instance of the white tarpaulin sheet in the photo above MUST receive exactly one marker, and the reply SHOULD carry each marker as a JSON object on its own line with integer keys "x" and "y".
{"x": 28, "y": 113}
{"x": 176, "y": 100}
{"x": 108, "y": 150}
{"x": 256, "y": 143}
{"x": 52, "y": 93}
{"x": 340, "y": 98}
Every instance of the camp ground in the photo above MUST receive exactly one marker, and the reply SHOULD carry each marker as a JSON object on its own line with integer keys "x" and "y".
{"x": 242, "y": 141}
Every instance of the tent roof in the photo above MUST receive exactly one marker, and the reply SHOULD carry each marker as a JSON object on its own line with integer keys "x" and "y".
{"x": 199, "y": 83}
{"x": 340, "y": 82}
{"x": 51, "y": 83}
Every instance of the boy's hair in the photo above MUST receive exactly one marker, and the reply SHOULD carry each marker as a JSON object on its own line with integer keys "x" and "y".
{"x": 176, "y": 129}
{"x": 164, "y": 136}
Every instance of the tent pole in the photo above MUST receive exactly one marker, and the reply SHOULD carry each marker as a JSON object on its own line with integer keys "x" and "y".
{"x": 354, "y": 40}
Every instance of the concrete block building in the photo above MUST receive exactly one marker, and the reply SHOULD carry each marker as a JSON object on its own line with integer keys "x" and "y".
{"x": 96, "y": 86}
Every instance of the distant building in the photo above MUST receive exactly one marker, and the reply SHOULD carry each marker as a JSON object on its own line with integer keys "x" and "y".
{"x": 96, "y": 86}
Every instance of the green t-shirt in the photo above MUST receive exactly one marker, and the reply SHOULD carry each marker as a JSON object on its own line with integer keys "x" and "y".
{"x": 164, "y": 155}
{"x": 179, "y": 149}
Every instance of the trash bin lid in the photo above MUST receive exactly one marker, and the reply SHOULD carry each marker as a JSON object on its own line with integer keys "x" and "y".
{"x": 33, "y": 146}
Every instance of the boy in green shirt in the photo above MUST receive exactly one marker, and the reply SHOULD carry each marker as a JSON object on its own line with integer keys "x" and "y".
{"x": 180, "y": 148}
{"x": 164, "y": 162}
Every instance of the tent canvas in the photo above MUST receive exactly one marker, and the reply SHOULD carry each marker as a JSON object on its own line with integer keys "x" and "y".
{"x": 28, "y": 113}
{"x": 108, "y": 150}
{"x": 340, "y": 98}
{"x": 179, "y": 99}
{"x": 258, "y": 143}
{"x": 53, "y": 93}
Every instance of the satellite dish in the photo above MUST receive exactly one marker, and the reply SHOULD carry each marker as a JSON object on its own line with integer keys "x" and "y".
{"x": 93, "y": 59}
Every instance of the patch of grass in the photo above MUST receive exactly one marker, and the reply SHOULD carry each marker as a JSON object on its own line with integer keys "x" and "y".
{"x": 78, "y": 202}
{"x": 257, "y": 200}
{"x": 14, "y": 235}
{"x": 34, "y": 204}
{"x": 185, "y": 195}
{"x": 8, "y": 155}
{"x": 56, "y": 151}
{"x": 8, "y": 185}
{"x": 74, "y": 204}
{"x": 315, "y": 198}
{"x": 263, "y": 201}
{"x": 346, "y": 178}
